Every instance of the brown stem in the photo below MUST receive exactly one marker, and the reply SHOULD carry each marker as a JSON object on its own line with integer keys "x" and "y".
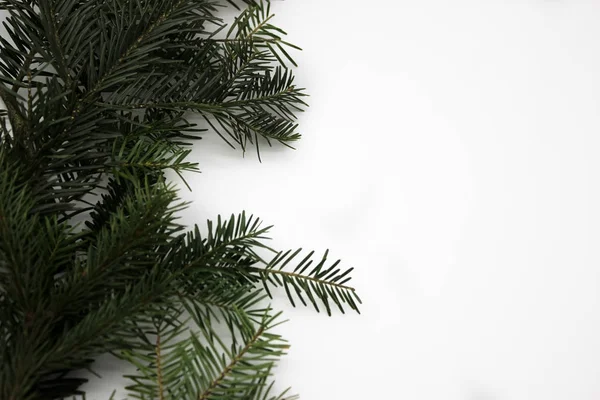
{"x": 159, "y": 376}
{"x": 310, "y": 278}
{"x": 205, "y": 395}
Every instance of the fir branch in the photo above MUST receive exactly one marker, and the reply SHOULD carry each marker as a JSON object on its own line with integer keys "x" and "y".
{"x": 252, "y": 358}
{"x": 95, "y": 96}
{"x": 15, "y": 114}
{"x": 24, "y": 70}
{"x": 229, "y": 368}
{"x": 48, "y": 18}
{"x": 204, "y": 366}
{"x": 225, "y": 242}
{"x": 253, "y": 26}
{"x": 324, "y": 284}
{"x": 127, "y": 55}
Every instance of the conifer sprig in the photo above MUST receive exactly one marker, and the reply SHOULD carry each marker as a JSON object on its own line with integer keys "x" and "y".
{"x": 97, "y": 98}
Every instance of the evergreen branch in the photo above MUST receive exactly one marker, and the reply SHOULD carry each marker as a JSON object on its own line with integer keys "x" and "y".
{"x": 100, "y": 330}
{"x": 117, "y": 191}
{"x": 17, "y": 120}
{"x": 138, "y": 42}
{"x": 325, "y": 284}
{"x": 236, "y": 360}
{"x": 262, "y": 391}
{"x": 95, "y": 95}
{"x": 159, "y": 372}
{"x": 228, "y": 298}
{"x": 246, "y": 127}
{"x": 32, "y": 249}
{"x": 309, "y": 278}
{"x": 258, "y": 27}
{"x": 48, "y": 15}
{"x": 203, "y": 366}
{"x": 253, "y": 26}
{"x": 276, "y": 97}
{"x": 147, "y": 157}
{"x": 23, "y": 71}
{"x": 225, "y": 242}
{"x": 245, "y": 40}
{"x": 252, "y": 358}
{"x": 158, "y": 375}
{"x": 134, "y": 239}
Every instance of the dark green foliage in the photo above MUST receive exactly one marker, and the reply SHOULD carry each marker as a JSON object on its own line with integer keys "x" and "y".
{"x": 93, "y": 260}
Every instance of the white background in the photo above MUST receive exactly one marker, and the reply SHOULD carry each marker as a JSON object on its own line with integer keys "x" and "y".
{"x": 450, "y": 154}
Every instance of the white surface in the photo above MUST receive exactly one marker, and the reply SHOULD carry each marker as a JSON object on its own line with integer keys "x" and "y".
{"x": 450, "y": 154}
